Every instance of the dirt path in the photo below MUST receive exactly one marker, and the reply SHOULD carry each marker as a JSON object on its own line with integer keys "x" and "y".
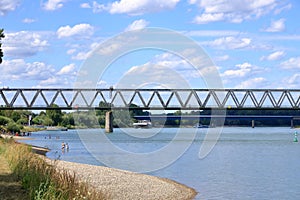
{"x": 10, "y": 189}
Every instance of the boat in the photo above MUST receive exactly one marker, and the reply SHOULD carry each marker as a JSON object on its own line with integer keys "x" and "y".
{"x": 142, "y": 124}
{"x": 201, "y": 126}
{"x": 54, "y": 128}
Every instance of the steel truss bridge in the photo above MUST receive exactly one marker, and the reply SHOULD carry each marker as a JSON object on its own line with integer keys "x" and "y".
{"x": 149, "y": 99}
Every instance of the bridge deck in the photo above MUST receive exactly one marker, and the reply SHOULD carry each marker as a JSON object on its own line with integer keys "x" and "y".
{"x": 149, "y": 99}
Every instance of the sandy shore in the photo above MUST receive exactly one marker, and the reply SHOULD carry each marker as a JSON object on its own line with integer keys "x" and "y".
{"x": 16, "y": 137}
{"x": 120, "y": 184}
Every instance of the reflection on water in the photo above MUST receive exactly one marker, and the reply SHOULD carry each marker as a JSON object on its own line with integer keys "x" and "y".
{"x": 246, "y": 163}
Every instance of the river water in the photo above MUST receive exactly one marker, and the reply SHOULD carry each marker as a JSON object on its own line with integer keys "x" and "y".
{"x": 245, "y": 163}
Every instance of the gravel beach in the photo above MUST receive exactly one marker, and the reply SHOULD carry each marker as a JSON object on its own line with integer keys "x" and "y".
{"x": 120, "y": 184}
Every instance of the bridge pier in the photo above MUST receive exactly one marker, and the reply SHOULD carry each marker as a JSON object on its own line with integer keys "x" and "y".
{"x": 108, "y": 122}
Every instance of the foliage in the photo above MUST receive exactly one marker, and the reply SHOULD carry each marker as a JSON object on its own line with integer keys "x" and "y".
{"x": 42, "y": 180}
{"x": 14, "y": 127}
{"x": 4, "y": 120}
{"x": 1, "y": 52}
{"x": 86, "y": 119}
{"x": 54, "y": 114}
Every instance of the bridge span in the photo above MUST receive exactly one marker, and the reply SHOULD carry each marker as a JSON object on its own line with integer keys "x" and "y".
{"x": 148, "y": 99}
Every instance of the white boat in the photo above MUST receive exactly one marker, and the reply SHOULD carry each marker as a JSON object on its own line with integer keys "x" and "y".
{"x": 142, "y": 124}
{"x": 201, "y": 126}
{"x": 54, "y": 128}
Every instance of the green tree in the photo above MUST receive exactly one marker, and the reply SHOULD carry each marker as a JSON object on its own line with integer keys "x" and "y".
{"x": 55, "y": 114}
{"x": 1, "y": 52}
{"x": 14, "y": 127}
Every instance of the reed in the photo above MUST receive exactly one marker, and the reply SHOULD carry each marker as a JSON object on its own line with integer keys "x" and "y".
{"x": 42, "y": 180}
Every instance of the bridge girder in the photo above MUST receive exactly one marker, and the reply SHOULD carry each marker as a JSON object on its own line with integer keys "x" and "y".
{"x": 149, "y": 99}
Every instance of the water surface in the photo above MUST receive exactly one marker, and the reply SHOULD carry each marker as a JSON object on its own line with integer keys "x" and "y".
{"x": 246, "y": 163}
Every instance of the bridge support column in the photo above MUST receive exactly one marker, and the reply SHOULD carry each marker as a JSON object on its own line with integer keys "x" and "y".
{"x": 292, "y": 123}
{"x": 253, "y": 123}
{"x": 109, "y": 122}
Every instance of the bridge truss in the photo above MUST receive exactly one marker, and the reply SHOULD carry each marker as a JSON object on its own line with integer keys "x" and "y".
{"x": 149, "y": 99}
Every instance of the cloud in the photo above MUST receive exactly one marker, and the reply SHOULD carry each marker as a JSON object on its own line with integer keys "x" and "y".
{"x": 229, "y": 43}
{"x": 241, "y": 71}
{"x": 277, "y": 55}
{"x": 209, "y": 17}
{"x": 18, "y": 69}
{"x": 85, "y": 5}
{"x": 292, "y": 63}
{"x": 8, "y": 5}
{"x": 82, "y": 55}
{"x": 66, "y": 70}
{"x": 52, "y": 5}
{"x": 258, "y": 82}
{"x": 137, "y": 24}
{"x": 283, "y": 8}
{"x": 28, "y": 20}
{"x": 292, "y": 81}
{"x": 276, "y": 26}
{"x": 24, "y": 44}
{"x": 79, "y": 30}
{"x": 234, "y": 11}
{"x": 134, "y": 7}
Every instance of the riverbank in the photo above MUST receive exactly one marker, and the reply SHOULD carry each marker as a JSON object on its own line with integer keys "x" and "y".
{"x": 121, "y": 184}
{"x": 10, "y": 187}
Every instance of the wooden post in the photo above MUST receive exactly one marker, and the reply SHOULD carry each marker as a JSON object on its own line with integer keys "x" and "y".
{"x": 253, "y": 123}
{"x": 108, "y": 122}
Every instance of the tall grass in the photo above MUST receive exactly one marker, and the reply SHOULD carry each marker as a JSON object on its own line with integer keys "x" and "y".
{"x": 42, "y": 180}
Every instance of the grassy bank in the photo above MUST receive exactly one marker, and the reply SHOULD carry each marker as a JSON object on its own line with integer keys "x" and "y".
{"x": 40, "y": 179}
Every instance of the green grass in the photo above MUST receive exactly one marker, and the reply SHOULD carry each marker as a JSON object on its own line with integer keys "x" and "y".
{"x": 42, "y": 180}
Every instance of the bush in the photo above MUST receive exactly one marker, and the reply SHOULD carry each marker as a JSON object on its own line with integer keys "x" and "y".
{"x": 14, "y": 127}
{"x": 4, "y": 120}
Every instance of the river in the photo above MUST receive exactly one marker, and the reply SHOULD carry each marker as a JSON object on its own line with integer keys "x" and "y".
{"x": 245, "y": 163}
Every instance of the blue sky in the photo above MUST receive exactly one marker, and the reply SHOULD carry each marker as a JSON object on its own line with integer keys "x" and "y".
{"x": 253, "y": 43}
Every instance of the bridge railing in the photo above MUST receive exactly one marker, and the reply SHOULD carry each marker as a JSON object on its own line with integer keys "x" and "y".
{"x": 146, "y": 99}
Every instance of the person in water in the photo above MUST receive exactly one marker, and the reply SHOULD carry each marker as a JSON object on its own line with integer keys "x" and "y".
{"x": 63, "y": 145}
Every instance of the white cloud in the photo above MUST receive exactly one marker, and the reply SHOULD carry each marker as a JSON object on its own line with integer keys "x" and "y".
{"x": 292, "y": 63}
{"x": 85, "y": 5}
{"x": 24, "y": 44}
{"x": 80, "y": 30}
{"x": 229, "y": 43}
{"x": 234, "y": 11}
{"x": 292, "y": 81}
{"x": 28, "y": 20}
{"x": 67, "y": 70}
{"x": 137, "y": 24}
{"x": 135, "y": 7}
{"x": 53, "y": 4}
{"x": 8, "y": 5}
{"x": 258, "y": 82}
{"x": 283, "y": 8}
{"x": 277, "y": 55}
{"x": 276, "y": 26}
{"x": 82, "y": 55}
{"x": 241, "y": 71}
{"x": 18, "y": 69}
{"x": 209, "y": 17}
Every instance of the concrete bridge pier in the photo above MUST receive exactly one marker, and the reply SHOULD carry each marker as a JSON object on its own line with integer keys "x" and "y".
{"x": 109, "y": 122}
{"x": 253, "y": 123}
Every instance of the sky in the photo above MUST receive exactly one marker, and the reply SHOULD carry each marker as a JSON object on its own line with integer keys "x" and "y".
{"x": 253, "y": 43}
